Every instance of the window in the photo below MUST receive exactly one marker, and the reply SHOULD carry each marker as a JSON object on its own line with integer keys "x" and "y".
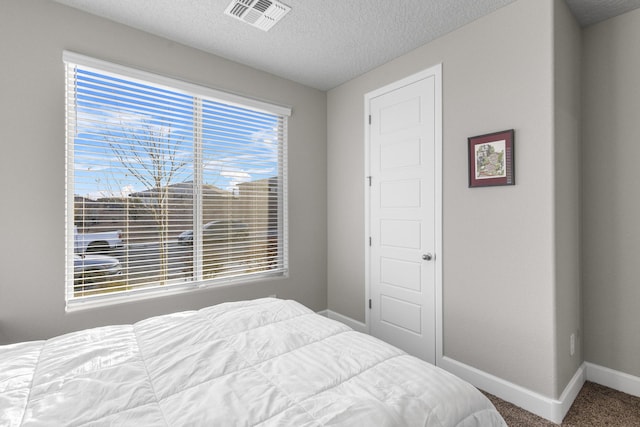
{"x": 169, "y": 185}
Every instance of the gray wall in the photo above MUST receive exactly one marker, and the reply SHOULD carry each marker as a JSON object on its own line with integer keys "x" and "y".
{"x": 33, "y": 35}
{"x": 567, "y": 72}
{"x": 499, "y": 255}
{"x": 611, "y": 202}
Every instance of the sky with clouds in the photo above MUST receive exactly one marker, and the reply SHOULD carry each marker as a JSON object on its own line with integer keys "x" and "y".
{"x": 122, "y": 128}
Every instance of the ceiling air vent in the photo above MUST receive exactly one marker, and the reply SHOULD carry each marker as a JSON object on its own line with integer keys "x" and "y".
{"x": 262, "y": 14}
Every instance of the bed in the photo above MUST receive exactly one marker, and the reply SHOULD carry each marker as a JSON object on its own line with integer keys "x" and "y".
{"x": 265, "y": 362}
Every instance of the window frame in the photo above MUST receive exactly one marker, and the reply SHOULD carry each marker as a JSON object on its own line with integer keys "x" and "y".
{"x": 73, "y": 303}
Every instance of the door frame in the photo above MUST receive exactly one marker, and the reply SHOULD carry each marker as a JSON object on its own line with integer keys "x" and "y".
{"x": 436, "y": 72}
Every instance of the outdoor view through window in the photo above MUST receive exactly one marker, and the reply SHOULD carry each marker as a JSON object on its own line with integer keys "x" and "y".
{"x": 168, "y": 187}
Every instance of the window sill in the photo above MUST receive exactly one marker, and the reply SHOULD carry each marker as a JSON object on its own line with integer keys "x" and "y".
{"x": 100, "y": 301}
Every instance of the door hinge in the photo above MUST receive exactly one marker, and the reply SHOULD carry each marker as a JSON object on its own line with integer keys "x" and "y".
{"x": 369, "y": 304}
{"x": 369, "y": 241}
{"x": 369, "y": 118}
{"x": 369, "y": 178}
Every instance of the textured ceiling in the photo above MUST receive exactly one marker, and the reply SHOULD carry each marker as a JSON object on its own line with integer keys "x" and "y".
{"x": 589, "y": 12}
{"x": 320, "y": 43}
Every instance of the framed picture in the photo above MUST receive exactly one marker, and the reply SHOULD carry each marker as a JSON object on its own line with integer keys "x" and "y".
{"x": 491, "y": 159}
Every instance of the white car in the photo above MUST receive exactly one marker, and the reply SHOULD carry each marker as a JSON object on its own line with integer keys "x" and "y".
{"x": 97, "y": 242}
{"x": 215, "y": 232}
{"x": 92, "y": 271}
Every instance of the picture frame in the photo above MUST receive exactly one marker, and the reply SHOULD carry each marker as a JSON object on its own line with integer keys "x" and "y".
{"x": 492, "y": 159}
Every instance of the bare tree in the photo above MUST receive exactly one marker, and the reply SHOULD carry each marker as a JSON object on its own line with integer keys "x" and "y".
{"x": 150, "y": 151}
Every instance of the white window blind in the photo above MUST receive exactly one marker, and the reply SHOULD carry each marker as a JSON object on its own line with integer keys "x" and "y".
{"x": 169, "y": 185}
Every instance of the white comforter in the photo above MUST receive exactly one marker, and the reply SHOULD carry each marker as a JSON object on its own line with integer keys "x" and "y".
{"x": 265, "y": 362}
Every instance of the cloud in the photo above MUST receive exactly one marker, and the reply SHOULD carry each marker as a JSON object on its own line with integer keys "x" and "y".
{"x": 247, "y": 157}
{"x": 235, "y": 177}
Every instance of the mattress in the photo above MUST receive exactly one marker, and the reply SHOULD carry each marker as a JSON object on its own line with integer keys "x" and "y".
{"x": 265, "y": 362}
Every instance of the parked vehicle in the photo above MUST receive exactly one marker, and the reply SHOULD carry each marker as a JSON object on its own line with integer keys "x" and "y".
{"x": 91, "y": 271}
{"x": 217, "y": 232}
{"x": 98, "y": 242}
{"x": 225, "y": 244}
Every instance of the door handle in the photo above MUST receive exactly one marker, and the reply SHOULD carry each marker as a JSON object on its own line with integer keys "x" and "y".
{"x": 427, "y": 257}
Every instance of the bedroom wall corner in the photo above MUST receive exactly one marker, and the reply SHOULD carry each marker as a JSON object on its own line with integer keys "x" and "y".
{"x": 567, "y": 49}
{"x": 610, "y": 202}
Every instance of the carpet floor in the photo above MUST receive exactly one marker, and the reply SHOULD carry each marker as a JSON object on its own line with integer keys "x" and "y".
{"x": 595, "y": 406}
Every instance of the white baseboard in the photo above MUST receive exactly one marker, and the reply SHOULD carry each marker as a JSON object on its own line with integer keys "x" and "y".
{"x": 353, "y": 324}
{"x": 613, "y": 379}
{"x": 553, "y": 410}
{"x": 571, "y": 391}
{"x": 550, "y": 409}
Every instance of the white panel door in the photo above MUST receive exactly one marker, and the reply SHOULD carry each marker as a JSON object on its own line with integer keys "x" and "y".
{"x": 402, "y": 217}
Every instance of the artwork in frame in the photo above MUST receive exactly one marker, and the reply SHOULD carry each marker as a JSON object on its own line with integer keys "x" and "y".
{"x": 491, "y": 159}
